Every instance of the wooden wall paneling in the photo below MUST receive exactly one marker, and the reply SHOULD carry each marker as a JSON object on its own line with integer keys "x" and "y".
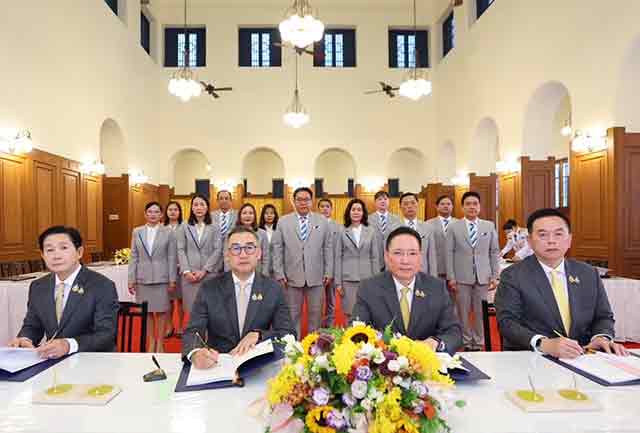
{"x": 432, "y": 193}
{"x": 92, "y": 216}
{"x": 538, "y": 185}
{"x": 47, "y": 209}
{"x": 115, "y": 214}
{"x": 459, "y": 191}
{"x": 70, "y": 194}
{"x": 287, "y": 201}
{"x": 14, "y": 239}
{"x": 164, "y": 195}
{"x": 486, "y": 186}
{"x": 366, "y": 197}
{"x": 510, "y": 198}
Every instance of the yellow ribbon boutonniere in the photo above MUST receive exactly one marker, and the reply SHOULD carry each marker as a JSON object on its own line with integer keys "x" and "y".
{"x": 77, "y": 289}
{"x": 256, "y": 297}
{"x": 420, "y": 294}
{"x": 574, "y": 280}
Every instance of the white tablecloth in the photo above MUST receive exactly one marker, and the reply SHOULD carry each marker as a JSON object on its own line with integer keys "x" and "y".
{"x": 145, "y": 407}
{"x": 13, "y": 299}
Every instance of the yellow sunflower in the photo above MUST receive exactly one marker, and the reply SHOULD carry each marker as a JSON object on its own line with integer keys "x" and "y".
{"x": 281, "y": 386}
{"x": 316, "y": 417}
{"x": 424, "y": 356}
{"x": 309, "y": 341}
{"x": 405, "y": 425}
{"x": 344, "y": 355}
{"x": 360, "y": 333}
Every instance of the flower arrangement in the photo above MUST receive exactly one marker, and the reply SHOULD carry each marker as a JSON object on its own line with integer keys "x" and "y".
{"x": 357, "y": 380}
{"x": 122, "y": 256}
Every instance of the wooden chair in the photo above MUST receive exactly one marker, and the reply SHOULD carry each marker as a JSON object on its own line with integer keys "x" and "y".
{"x": 5, "y": 269}
{"x": 97, "y": 256}
{"x": 36, "y": 265}
{"x": 488, "y": 311}
{"x": 127, "y": 314}
{"x": 19, "y": 268}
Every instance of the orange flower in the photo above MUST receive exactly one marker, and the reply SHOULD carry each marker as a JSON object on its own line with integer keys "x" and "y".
{"x": 429, "y": 410}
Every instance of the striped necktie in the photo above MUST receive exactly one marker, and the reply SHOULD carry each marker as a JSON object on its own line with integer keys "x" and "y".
{"x": 59, "y": 300}
{"x": 445, "y": 223}
{"x": 383, "y": 223}
{"x": 473, "y": 234}
{"x": 412, "y": 224}
{"x": 224, "y": 224}
{"x": 304, "y": 228}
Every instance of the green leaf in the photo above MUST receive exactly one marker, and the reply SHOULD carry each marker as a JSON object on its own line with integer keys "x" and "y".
{"x": 408, "y": 397}
{"x": 460, "y": 403}
{"x": 387, "y": 335}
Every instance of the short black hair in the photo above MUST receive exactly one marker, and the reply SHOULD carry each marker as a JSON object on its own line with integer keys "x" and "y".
{"x": 302, "y": 189}
{"x": 403, "y": 230}
{"x": 468, "y": 194}
{"x": 72, "y": 232}
{"x": 546, "y": 212}
{"x": 407, "y": 194}
{"x": 325, "y": 200}
{"x": 242, "y": 229}
{"x": 442, "y": 197}
{"x": 510, "y": 224}
{"x": 207, "y": 216}
{"x": 347, "y": 212}
{"x": 151, "y": 204}
{"x": 262, "y": 219}
{"x": 166, "y": 216}
{"x": 224, "y": 190}
{"x": 381, "y": 193}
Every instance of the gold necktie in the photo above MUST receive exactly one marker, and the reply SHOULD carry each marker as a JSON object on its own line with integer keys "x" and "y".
{"x": 562, "y": 299}
{"x": 242, "y": 306}
{"x": 59, "y": 300}
{"x": 404, "y": 307}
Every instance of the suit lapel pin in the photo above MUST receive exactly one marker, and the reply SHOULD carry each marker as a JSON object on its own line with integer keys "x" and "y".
{"x": 78, "y": 290}
{"x": 256, "y": 297}
{"x": 420, "y": 294}
{"x": 574, "y": 280}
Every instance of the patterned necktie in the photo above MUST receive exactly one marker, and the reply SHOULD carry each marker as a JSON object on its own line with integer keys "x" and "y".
{"x": 412, "y": 224}
{"x": 445, "y": 222}
{"x": 383, "y": 223}
{"x": 242, "y": 305}
{"x": 561, "y": 299}
{"x": 304, "y": 228}
{"x": 59, "y": 300}
{"x": 404, "y": 307}
{"x": 473, "y": 234}
{"x": 224, "y": 225}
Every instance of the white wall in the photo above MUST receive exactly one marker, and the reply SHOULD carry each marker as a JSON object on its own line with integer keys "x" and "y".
{"x": 189, "y": 165}
{"x": 260, "y": 167}
{"x": 410, "y": 167}
{"x": 335, "y": 166}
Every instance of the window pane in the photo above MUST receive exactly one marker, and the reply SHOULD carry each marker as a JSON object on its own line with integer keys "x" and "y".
{"x": 193, "y": 50}
{"x": 565, "y": 190}
{"x": 557, "y": 200}
{"x": 400, "y": 51}
{"x": 411, "y": 54}
{"x": 266, "y": 49}
{"x": 255, "y": 50}
{"x": 339, "y": 54}
{"x": 181, "y": 42}
{"x": 328, "y": 49}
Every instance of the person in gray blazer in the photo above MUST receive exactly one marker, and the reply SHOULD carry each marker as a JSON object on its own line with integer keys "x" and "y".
{"x": 439, "y": 226}
{"x": 224, "y": 217}
{"x": 238, "y": 309}
{"x": 303, "y": 258}
{"x": 383, "y": 222}
{"x": 409, "y": 206}
{"x": 247, "y": 218}
{"x": 199, "y": 250}
{"x": 152, "y": 271}
{"x": 356, "y": 254}
{"x": 472, "y": 266}
{"x": 173, "y": 222}
{"x": 325, "y": 206}
{"x": 414, "y": 303}
{"x": 552, "y": 304}
{"x": 74, "y": 308}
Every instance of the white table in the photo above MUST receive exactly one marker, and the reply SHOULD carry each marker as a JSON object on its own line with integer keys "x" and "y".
{"x": 144, "y": 407}
{"x": 14, "y": 295}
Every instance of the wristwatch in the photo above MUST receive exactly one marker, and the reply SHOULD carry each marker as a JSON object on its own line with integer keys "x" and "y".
{"x": 441, "y": 346}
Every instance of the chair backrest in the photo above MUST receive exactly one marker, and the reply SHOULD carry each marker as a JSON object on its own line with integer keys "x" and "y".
{"x": 5, "y": 269}
{"x": 127, "y": 314}
{"x": 488, "y": 311}
{"x": 36, "y": 265}
{"x": 97, "y": 256}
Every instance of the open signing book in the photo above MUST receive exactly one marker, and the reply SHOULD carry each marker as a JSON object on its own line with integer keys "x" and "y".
{"x": 227, "y": 367}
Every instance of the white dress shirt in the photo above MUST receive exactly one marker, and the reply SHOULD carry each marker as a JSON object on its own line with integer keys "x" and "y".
{"x": 269, "y": 230}
{"x": 200, "y": 230}
{"x": 68, "y": 283}
{"x": 357, "y": 233}
{"x": 410, "y": 286}
{"x": 519, "y": 243}
{"x": 151, "y": 236}
{"x": 408, "y": 221}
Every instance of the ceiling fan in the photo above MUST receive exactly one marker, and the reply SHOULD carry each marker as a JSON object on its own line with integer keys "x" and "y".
{"x": 298, "y": 50}
{"x": 385, "y": 88}
{"x": 212, "y": 90}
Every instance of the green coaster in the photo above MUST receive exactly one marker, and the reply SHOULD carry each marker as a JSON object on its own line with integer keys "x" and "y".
{"x": 100, "y": 390}
{"x": 572, "y": 394}
{"x": 59, "y": 389}
{"x": 530, "y": 396}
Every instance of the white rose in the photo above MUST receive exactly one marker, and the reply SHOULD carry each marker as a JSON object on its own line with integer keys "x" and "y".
{"x": 394, "y": 365}
{"x": 378, "y": 357}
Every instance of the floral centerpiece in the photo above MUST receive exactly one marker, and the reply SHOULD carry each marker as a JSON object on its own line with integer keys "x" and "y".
{"x": 357, "y": 380}
{"x": 122, "y": 256}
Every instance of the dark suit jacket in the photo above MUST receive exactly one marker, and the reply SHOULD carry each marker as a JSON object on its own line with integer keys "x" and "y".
{"x": 91, "y": 318}
{"x": 526, "y": 306}
{"x": 431, "y": 315}
{"x": 215, "y": 311}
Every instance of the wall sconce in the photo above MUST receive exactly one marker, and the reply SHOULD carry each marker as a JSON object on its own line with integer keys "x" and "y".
{"x": 137, "y": 177}
{"x": 372, "y": 184}
{"x": 15, "y": 141}
{"x": 92, "y": 168}
{"x": 589, "y": 142}
{"x": 225, "y": 184}
{"x": 503, "y": 167}
{"x": 567, "y": 130}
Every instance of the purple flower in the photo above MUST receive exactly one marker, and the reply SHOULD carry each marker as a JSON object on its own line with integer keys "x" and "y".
{"x": 348, "y": 399}
{"x": 315, "y": 351}
{"x": 359, "y": 389}
{"x": 418, "y": 406}
{"x": 364, "y": 372}
{"x": 321, "y": 396}
{"x": 420, "y": 389}
{"x": 384, "y": 367}
{"x": 324, "y": 342}
{"x": 336, "y": 420}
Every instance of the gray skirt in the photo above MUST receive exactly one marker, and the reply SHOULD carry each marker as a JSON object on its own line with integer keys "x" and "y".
{"x": 177, "y": 293}
{"x": 156, "y": 295}
{"x": 350, "y": 289}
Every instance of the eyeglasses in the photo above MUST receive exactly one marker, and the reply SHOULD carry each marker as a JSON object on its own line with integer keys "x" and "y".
{"x": 303, "y": 200}
{"x": 402, "y": 253}
{"x": 236, "y": 250}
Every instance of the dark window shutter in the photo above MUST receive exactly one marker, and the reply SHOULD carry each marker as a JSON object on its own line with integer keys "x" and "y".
{"x": 244, "y": 47}
{"x": 145, "y": 33}
{"x": 319, "y": 187}
{"x": 202, "y": 187}
{"x": 244, "y": 184}
{"x": 393, "y": 49}
{"x": 171, "y": 47}
{"x": 276, "y": 52}
{"x": 113, "y": 5}
{"x": 277, "y": 188}
{"x": 349, "y": 48}
{"x": 318, "y": 52}
{"x": 351, "y": 192}
{"x": 202, "y": 45}
{"x": 394, "y": 187}
{"x": 422, "y": 44}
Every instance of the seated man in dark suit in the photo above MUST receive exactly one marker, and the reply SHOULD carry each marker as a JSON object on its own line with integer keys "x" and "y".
{"x": 551, "y": 304}
{"x": 73, "y": 307}
{"x": 238, "y": 309}
{"x": 418, "y": 305}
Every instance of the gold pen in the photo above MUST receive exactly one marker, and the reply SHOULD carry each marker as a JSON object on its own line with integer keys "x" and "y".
{"x": 204, "y": 343}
